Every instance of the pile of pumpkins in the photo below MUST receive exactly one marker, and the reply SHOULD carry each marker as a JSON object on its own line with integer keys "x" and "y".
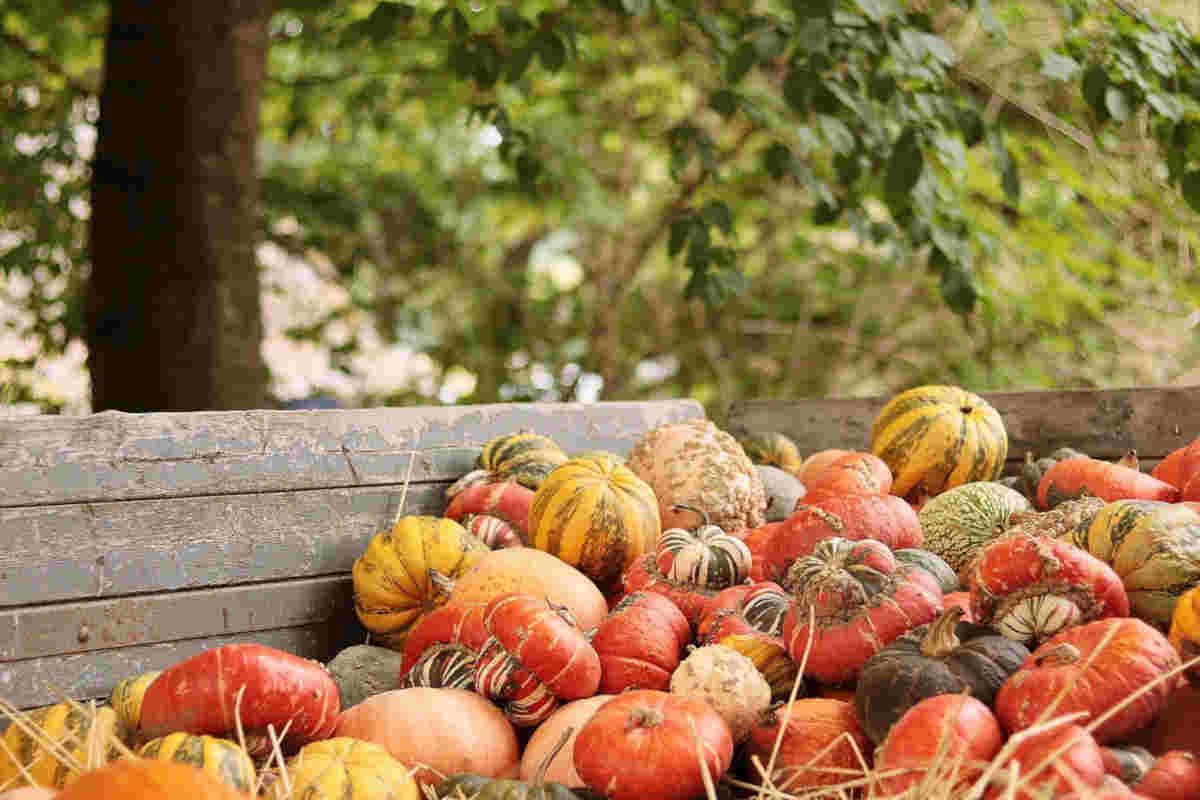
{"x": 712, "y": 614}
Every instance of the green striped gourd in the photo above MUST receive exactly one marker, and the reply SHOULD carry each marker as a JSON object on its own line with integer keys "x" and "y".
{"x": 83, "y": 737}
{"x": 958, "y": 522}
{"x": 445, "y": 665}
{"x": 222, "y": 758}
{"x": 707, "y": 557}
{"x": 126, "y": 697}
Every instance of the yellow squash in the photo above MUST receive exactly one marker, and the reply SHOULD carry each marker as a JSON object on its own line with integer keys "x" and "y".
{"x": 126, "y": 697}
{"x": 83, "y": 738}
{"x": 1185, "y": 631}
{"x": 349, "y": 769}
{"x": 224, "y": 759}
{"x": 394, "y": 580}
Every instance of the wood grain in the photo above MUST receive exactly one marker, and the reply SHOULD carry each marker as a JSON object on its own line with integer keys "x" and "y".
{"x": 41, "y": 681}
{"x": 116, "y": 456}
{"x": 66, "y": 628}
{"x": 100, "y": 550}
{"x": 1104, "y": 424}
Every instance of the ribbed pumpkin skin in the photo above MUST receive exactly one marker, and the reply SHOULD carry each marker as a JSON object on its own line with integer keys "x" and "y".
{"x": 1153, "y": 546}
{"x": 392, "y": 586}
{"x": 349, "y": 769}
{"x": 596, "y": 515}
{"x": 524, "y": 457}
{"x": 772, "y": 448}
{"x": 446, "y": 665}
{"x": 126, "y": 697}
{"x": 934, "y": 438}
{"x": 958, "y": 522}
{"x": 73, "y": 728}
{"x": 221, "y": 758}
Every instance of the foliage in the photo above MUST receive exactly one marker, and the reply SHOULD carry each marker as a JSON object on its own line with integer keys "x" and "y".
{"x": 726, "y": 199}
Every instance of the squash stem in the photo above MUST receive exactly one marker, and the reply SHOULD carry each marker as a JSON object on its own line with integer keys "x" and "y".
{"x": 539, "y": 775}
{"x": 941, "y": 639}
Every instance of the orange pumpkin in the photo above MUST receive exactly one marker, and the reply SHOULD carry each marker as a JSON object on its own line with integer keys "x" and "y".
{"x": 145, "y": 779}
{"x": 546, "y": 736}
{"x": 820, "y": 742}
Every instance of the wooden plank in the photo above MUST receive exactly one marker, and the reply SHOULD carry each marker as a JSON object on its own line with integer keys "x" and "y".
{"x": 1104, "y": 424}
{"x": 100, "y": 550}
{"x": 117, "y": 456}
{"x": 41, "y": 681}
{"x": 64, "y": 628}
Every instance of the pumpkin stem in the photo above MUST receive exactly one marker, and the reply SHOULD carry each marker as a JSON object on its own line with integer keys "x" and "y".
{"x": 684, "y": 507}
{"x": 644, "y": 717}
{"x": 443, "y": 585}
{"x": 1059, "y": 656}
{"x": 830, "y": 519}
{"x": 539, "y": 775}
{"x": 941, "y": 639}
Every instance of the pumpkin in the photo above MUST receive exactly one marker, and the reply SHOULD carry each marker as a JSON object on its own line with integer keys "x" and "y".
{"x": 1031, "y": 587}
{"x": 946, "y": 656}
{"x": 523, "y": 457}
{"x": 705, "y": 557}
{"x": 943, "y": 740}
{"x": 1072, "y": 673}
{"x": 146, "y": 779}
{"x": 640, "y": 643}
{"x": 695, "y": 464}
{"x": 820, "y": 743}
{"x": 1180, "y": 460}
{"x": 362, "y": 670}
{"x": 852, "y": 473}
{"x": 1074, "y": 477}
{"x": 126, "y": 697}
{"x": 1184, "y": 633}
{"x": 728, "y": 681}
{"x": 445, "y": 665}
{"x": 224, "y": 759}
{"x": 1032, "y": 469}
{"x": 526, "y": 570}
{"x": 596, "y": 515}
{"x": 934, "y": 438}
{"x": 477, "y": 787}
{"x": 392, "y": 582}
{"x": 29, "y": 793}
{"x": 452, "y": 623}
{"x": 1047, "y": 764}
{"x": 82, "y": 733}
{"x": 783, "y": 490}
{"x": 772, "y": 448}
{"x": 497, "y": 513}
{"x": 1174, "y": 727}
{"x": 818, "y": 462}
{"x": 645, "y": 576}
{"x": 1109, "y": 788}
{"x": 1153, "y": 546}
{"x": 262, "y": 685}
{"x": 1128, "y": 763}
{"x": 935, "y": 565}
{"x": 542, "y": 751}
{"x": 957, "y": 523}
{"x": 437, "y": 732}
{"x": 535, "y": 657}
{"x": 646, "y": 744}
{"x": 757, "y": 542}
{"x": 348, "y": 768}
{"x": 749, "y": 619}
{"x": 1061, "y": 522}
{"x": 852, "y": 598}
{"x": 1175, "y": 775}
{"x": 962, "y": 600}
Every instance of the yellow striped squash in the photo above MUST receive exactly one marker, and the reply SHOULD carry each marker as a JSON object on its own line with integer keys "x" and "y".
{"x": 224, "y": 759}
{"x": 524, "y": 457}
{"x": 87, "y": 738}
{"x": 350, "y": 769}
{"x": 772, "y": 448}
{"x": 934, "y": 438}
{"x": 393, "y": 586}
{"x": 596, "y": 515}
{"x": 126, "y": 697}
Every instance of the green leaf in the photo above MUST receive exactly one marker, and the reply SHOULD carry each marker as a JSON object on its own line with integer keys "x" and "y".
{"x": 681, "y": 229}
{"x": 904, "y": 168}
{"x": 987, "y": 18}
{"x": 1116, "y": 103}
{"x": 806, "y": 140}
{"x": 970, "y": 122}
{"x": 777, "y": 160}
{"x": 940, "y": 49}
{"x": 808, "y": 9}
{"x": 876, "y": 10}
{"x": 518, "y": 62}
{"x": 840, "y": 137}
{"x": 796, "y": 85}
{"x": 825, "y": 213}
{"x": 1190, "y": 186}
{"x": 1059, "y": 67}
{"x": 958, "y": 288}
{"x": 741, "y": 61}
{"x": 698, "y": 247}
{"x": 951, "y": 152}
{"x": 461, "y": 26}
{"x": 511, "y": 20}
{"x": 1095, "y": 85}
{"x": 724, "y": 102}
{"x": 1007, "y": 167}
{"x": 551, "y": 51}
{"x": 718, "y": 214}
{"x": 847, "y": 167}
{"x": 1168, "y": 106}
{"x": 635, "y": 7}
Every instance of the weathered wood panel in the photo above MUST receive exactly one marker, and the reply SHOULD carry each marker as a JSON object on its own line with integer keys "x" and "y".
{"x": 117, "y": 456}
{"x": 62, "y": 628}
{"x": 97, "y": 550}
{"x": 1104, "y": 424}
{"x": 81, "y": 676}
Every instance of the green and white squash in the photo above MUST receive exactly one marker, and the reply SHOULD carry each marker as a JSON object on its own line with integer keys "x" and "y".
{"x": 707, "y": 557}
{"x": 932, "y": 563}
{"x": 960, "y": 521}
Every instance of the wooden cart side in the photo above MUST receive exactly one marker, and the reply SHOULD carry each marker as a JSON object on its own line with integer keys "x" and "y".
{"x": 1104, "y": 424}
{"x": 129, "y": 541}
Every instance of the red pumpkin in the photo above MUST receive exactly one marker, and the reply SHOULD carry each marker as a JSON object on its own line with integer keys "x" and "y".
{"x": 1073, "y": 477}
{"x": 820, "y": 744}
{"x": 535, "y": 658}
{"x": 943, "y": 739}
{"x": 201, "y": 695}
{"x": 884, "y": 518}
{"x": 1174, "y": 728}
{"x": 852, "y": 598}
{"x": 812, "y": 467}
{"x": 646, "y": 744}
{"x": 758, "y": 542}
{"x": 852, "y": 473}
{"x": 498, "y": 513}
{"x": 640, "y": 643}
{"x": 1030, "y": 587}
{"x": 453, "y": 623}
{"x": 1071, "y": 673}
{"x": 749, "y": 619}
{"x": 1051, "y": 762}
{"x": 963, "y": 601}
{"x": 1175, "y": 775}
{"x": 1110, "y": 788}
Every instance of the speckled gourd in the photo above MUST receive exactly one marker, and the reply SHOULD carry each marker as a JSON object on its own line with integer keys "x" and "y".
{"x": 959, "y": 521}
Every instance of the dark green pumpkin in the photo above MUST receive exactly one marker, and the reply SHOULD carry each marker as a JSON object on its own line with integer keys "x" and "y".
{"x": 1034, "y": 468}
{"x": 447, "y": 665}
{"x": 932, "y": 563}
{"x": 947, "y": 656}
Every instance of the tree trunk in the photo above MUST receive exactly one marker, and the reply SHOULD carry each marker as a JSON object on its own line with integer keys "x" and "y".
{"x": 174, "y": 317}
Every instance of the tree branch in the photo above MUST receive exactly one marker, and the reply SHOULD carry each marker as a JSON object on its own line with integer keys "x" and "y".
{"x": 1035, "y": 113}
{"x": 44, "y": 59}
